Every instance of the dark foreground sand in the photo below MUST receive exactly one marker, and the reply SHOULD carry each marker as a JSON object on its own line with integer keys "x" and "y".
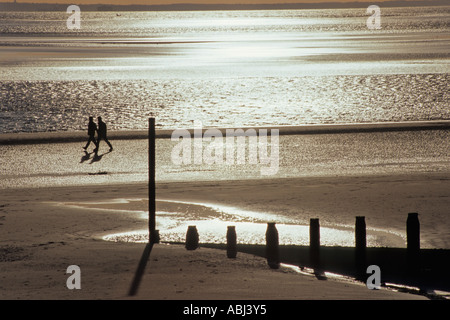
{"x": 39, "y": 239}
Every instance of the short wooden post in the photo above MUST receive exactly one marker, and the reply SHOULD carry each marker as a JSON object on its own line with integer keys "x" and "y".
{"x": 272, "y": 248}
{"x": 314, "y": 242}
{"x": 192, "y": 238}
{"x": 360, "y": 245}
{"x": 413, "y": 240}
{"x": 231, "y": 242}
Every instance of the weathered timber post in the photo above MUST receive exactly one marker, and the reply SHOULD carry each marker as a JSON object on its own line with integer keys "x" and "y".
{"x": 314, "y": 242}
{"x": 272, "y": 248}
{"x": 231, "y": 242}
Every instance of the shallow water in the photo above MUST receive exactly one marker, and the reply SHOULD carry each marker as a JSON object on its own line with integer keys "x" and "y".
{"x": 346, "y": 154}
{"x": 224, "y": 68}
{"x": 229, "y": 102}
{"x": 211, "y": 222}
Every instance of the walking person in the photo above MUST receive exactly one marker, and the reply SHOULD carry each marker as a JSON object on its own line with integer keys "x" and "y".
{"x": 102, "y": 134}
{"x": 92, "y": 129}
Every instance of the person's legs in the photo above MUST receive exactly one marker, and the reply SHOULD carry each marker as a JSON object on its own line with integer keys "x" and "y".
{"x": 108, "y": 143}
{"x": 97, "y": 145}
{"x": 91, "y": 138}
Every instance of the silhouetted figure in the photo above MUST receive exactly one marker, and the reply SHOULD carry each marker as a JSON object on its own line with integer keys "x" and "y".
{"x": 102, "y": 134}
{"x": 92, "y": 128}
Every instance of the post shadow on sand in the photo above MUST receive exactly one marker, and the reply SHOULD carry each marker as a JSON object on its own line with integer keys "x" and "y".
{"x": 153, "y": 236}
{"x": 272, "y": 248}
{"x": 140, "y": 269}
{"x": 423, "y": 270}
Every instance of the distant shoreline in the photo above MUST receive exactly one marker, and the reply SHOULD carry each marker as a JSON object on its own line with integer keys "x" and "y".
{"x": 11, "y": 6}
{"x": 77, "y": 136}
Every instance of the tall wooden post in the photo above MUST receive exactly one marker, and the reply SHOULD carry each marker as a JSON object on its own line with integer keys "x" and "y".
{"x": 153, "y": 234}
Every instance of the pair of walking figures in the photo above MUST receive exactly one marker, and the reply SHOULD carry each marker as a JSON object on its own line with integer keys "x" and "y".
{"x": 101, "y": 134}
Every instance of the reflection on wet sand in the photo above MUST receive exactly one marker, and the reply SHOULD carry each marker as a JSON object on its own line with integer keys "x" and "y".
{"x": 211, "y": 220}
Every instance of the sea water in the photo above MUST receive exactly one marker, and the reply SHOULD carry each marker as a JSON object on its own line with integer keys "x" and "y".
{"x": 224, "y": 68}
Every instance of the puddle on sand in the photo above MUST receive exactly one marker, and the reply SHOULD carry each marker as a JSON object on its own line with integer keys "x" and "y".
{"x": 211, "y": 221}
{"x": 214, "y": 231}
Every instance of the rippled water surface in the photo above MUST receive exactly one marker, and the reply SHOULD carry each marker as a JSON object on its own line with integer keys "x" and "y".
{"x": 225, "y": 68}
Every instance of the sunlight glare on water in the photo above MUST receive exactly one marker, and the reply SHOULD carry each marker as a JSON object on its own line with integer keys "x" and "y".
{"x": 231, "y": 68}
{"x": 247, "y": 233}
{"x": 250, "y": 228}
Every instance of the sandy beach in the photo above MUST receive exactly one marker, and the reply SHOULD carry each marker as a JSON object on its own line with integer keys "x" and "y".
{"x": 359, "y": 127}
{"x": 57, "y": 211}
{"x": 41, "y": 238}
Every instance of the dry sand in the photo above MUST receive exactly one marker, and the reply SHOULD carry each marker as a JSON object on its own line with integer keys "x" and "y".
{"x": 40, "y": 239}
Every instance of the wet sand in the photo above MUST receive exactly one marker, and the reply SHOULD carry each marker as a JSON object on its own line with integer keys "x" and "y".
{"x": 40, "y": 240}
{"x": 80, "y": 136}
{"x": 42, "y": 234}
{"x": 338, "y": 151}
